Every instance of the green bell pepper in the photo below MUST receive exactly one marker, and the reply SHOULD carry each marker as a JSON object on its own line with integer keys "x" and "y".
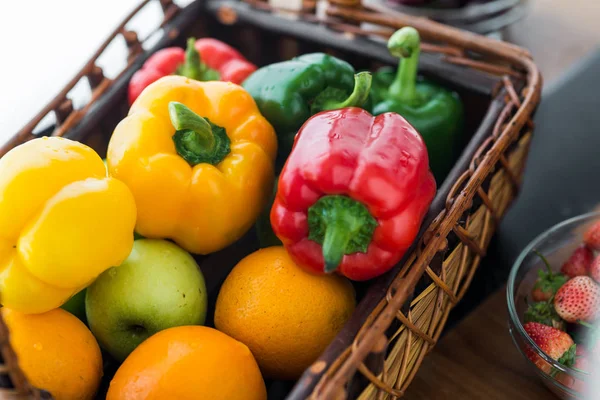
{"x": 435, "y": 112}
{"x": 289, "y": 92}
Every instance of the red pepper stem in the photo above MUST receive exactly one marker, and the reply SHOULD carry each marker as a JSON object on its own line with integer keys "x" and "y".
{"x": 405, "y": 43}
{"x": 193, "y": 67}
{"x": 341, "y": 225}
{"x": 337, "y": 236}
{"x": 196, "y": 139}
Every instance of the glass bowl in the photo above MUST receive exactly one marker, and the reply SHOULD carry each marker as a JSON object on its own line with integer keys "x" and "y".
{"x": 556, "y": 244}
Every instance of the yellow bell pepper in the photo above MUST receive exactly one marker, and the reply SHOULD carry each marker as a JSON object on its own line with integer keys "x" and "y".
{"x": 63, "y": 223}
{"x": 198, "y": 157}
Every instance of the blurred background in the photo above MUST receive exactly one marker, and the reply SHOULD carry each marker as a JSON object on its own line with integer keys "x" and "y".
{"x": 49, "y": 52}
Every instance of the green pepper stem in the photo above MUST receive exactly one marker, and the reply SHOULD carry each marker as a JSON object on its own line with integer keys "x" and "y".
{"x": 341, "y": 225}
{"x": 405, "y": 44}
{"x": 333, "y": 98}
{"x": 358, "y": 97}
{"x": 196, "y": 139}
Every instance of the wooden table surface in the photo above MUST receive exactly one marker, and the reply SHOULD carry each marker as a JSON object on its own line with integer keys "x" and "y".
{"x": 477, "y": 359}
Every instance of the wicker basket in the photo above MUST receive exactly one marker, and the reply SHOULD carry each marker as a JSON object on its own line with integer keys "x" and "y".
{"x": 401, "y": 314}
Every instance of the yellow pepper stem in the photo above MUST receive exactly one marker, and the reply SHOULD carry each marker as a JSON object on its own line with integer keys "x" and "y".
{"x": 196, "y": 139}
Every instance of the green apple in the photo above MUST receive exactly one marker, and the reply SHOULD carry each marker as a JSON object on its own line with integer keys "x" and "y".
{"x": 76, "y": 305}
{"x": 159, "y": 286}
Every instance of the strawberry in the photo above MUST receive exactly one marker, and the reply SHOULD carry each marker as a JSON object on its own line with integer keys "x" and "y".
{"x": 538, "y": 294}
{"x": 579, "y": 262}
{"x": 547, "y": 283}
{"x": 595, "y": 269}
{"x": 591, "y": 237}
{"x": 578, "y": 299}
{"x": 557, "y": 344}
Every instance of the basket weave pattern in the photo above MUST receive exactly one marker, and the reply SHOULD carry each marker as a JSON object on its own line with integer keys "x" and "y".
{"x": 407, "y": 322}
{"x": 421, "y": 325}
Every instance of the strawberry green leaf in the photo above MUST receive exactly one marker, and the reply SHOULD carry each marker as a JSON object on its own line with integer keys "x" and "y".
{"x": 544, "y": 260}
{"x": 568, "y": 357}
{"x": 548, "y": 281}
{"x": 586, "y": 324}
{"x": 544, "y": 313}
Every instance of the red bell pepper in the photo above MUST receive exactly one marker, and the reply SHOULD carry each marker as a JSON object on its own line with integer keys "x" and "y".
{"x": 204, "y": 59}
{"x": 353, "y": 193}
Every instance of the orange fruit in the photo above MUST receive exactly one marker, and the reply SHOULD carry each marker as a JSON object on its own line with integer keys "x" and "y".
{"x": 56, "y": 352}
{"x": 286, "y": 316}
{"x": 188, "y": 362}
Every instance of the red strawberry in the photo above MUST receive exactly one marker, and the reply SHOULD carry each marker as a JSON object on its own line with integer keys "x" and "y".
{"x": 558, "y": 345}
{"x": 595, "y": 269}
{"x": 579, "y": 262}
{"x": 539, "y": 295}
{"x": 578, "y": 299}
{"x": 592, "y": 236}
